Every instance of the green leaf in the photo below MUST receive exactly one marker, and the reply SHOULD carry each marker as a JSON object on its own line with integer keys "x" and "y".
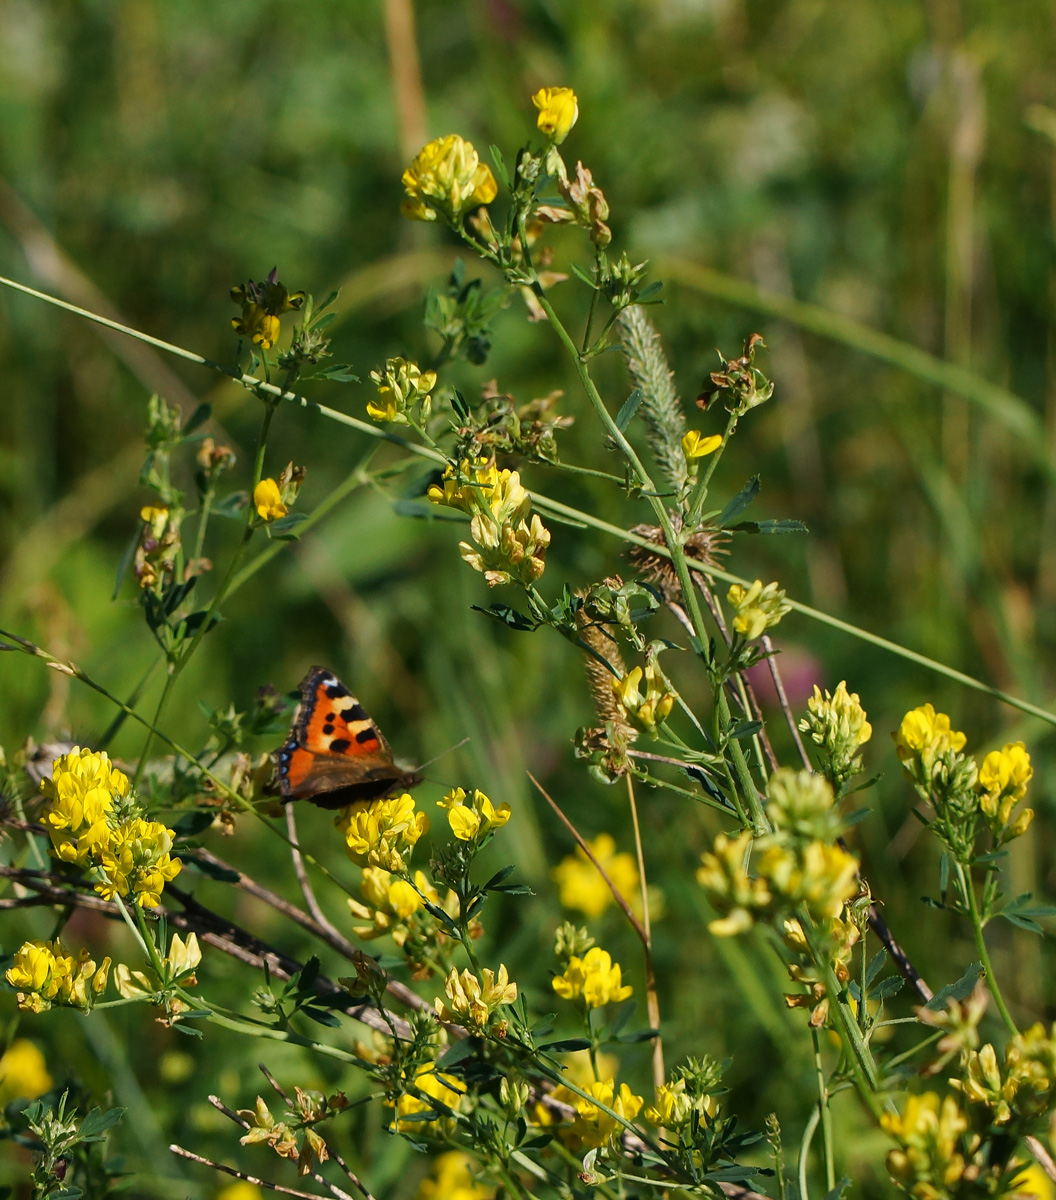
{"x": 126, "y": 561}
{"x": 566, "y": 1045}
{"x": 200, "y": 415}
{"x": 231, "y": 506}
{"x": 212, "y": 870}
{"x": 97, "y": 1122}
{"x": 769, "y": 527}
{"x": 628, "y": 409}
{"x": 336, "y": 373}
{"x": 740, "y": 502}
{"x": 189, "y": 824}
{"x": 285, "y": 528}
{"x": 956, "y": 991}
{"x": 500, "y": 167}
{"x": 508, "y": 616}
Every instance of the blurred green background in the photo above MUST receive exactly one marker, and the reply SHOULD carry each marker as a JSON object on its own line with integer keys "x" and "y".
{"x": 889, "y": 162}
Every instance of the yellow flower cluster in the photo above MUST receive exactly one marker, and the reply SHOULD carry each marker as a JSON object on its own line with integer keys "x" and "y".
{"x": 674, "y": 1106}
{"x": 178, "y": 966}
{"x": 837, "y": 723}
{"x": 738, "y": 895}
{"x": 558, "y": 112}
{"x": 798, "y": 866}
{"x": 473, "y": 821}
{"x": 45, "y": 973}
{"x": 439, "y": 1091}
{"x": 698, "y": 445}
{"x": 756, "y": 608}
{"x": 23, "y": 1072}
{"x": 1027, "y": 1090}
{"x": 472, "y": 1001}
{"x": 262, "y": 305}
{"x": 651, "y": 707}
{"x": 390, "y": 903}
{"x": 451, "y": 1179}
{"x": 383, "y": 833}
{"x": 925, "y": 735}
{"x": 593, "y": 1127}
{"x": 1002, "y": 783}
{"x": 582, "y": 887}
{"x": 960, "y": 792}
{"x": 510, "y": 547}
{"x": 446, "y": 180}
{"x": 929, "y": 1162}
{"x": 594, "y": 980}
{"x": 92, "y": 821}
{"x": 401, "y": 384}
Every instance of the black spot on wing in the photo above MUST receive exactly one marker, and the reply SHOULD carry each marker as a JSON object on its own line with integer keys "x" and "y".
{"x": 356, "y": 713}
{"x": 335, "y": 689}
{"x": 370, "y": 734}
{"x": 339, "y": 745}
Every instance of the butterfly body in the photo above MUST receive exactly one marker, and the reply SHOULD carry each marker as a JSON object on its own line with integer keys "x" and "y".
{"x": 335, "y": 754}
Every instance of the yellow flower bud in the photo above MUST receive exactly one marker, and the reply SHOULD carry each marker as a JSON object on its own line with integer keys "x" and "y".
{"x": 268, "y": 501}
{"x": 558, "y": 112}
{"x": 696, "y": 445}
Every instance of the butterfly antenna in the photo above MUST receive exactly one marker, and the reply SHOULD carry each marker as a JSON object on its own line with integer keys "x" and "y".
{"x": 449, "y": 750}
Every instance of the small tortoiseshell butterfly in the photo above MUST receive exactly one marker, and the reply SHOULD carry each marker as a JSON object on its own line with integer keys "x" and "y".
{"x": 335, "y": 754}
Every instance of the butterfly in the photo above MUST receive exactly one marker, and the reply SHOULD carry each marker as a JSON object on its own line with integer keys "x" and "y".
{"x": 335, "y": 754}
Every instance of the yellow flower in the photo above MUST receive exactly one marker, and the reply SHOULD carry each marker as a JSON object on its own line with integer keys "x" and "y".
{"x": 446, "y": 179}
{"x": 558, "y": 112}
{"x": 593, "y": 1127}
{"x": 436, "y": 1086}
{"x": 820, "y": 876}
{"x": 926, "y": 733}
{"x": 582, "y": 887}
{"x": 183, "y": 956}
{"x": 476, "y": 819}
{"x": 837, "y": 723}
{"x": 650, "y": 708}
{"x": 451, "y": 1179}
{"x": 509, "y": 547}
{"x": 45, "y": 973}
{"x": 471, "y": 1001}
{"x": 1004, "y": 776}
{"x": 802, "y": 803}
{"x": 696, "y": 445}
{"x": 241, "y": 1189}
{"x": 383, "y": 832}
{"x": 928, "y": 1163}
{"x": 262, "y": 304}
{"x": 23, "y": 1072}
{"x": 731, "y": 890}
{"x": 595, "y": 978}
{"x": 268, "y": 500}
{"x": 1032, "y": 1181}
{"x": 757, "y": 608}
{"x": 400, "y": 385}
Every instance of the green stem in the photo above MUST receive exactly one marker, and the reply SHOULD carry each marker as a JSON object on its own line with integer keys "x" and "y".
{"x": 964, "y": 877}
{"x": 176, "y": 668}
{"x": 696, "y": 506}
{"x": 826, "y": 1114}
{"x": 265, "y": 1031}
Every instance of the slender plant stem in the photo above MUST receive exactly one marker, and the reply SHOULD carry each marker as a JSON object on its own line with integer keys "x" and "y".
{"x": 652, "y": 998}
{"x": 826, "y": 1113}
{"x": 968, "y": 892}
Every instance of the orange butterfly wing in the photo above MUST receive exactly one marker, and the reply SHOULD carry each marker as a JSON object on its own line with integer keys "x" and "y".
{"x": 335, "y": 754}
